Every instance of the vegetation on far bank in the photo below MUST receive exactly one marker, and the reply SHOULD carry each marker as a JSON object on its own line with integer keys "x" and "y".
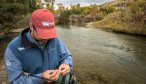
{"x": 131, "y": 19}
{"x": 127, "y": 16}
{"x": 120, "y": 15}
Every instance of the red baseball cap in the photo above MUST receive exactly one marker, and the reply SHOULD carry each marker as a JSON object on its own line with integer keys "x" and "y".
{"x": 43, "y": 21}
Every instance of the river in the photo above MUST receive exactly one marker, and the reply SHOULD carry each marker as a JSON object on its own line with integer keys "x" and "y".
{"x": 102, "y": 57}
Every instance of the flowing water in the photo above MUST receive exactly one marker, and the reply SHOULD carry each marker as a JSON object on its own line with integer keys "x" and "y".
{"x": 102, "y": 57}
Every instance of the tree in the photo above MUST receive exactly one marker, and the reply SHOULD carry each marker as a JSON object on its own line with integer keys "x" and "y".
{"x": 75, "y": 9}
{"x": 50, "y": 4}
{"x": 85, "y": 10}
{"x": 109, "y": 9}
{"x": 64, "y": 17}
{"x": 94, "y": 9}
{"x": 60, "y": 9}
{"x": 12, "y": 11}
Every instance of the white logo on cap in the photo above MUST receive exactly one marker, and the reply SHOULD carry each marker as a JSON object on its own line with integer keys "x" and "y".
{"x": 45, "y": 23}
{"x": 48, "y": 23}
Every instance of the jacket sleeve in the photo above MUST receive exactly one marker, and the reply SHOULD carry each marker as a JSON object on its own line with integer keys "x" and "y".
{"x": 66, "y": 57}
{"x": 15, "y": 72}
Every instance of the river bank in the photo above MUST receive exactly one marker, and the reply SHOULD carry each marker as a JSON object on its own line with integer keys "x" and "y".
{"x": 122, "y": 28}
{"x": 123, "y": 22}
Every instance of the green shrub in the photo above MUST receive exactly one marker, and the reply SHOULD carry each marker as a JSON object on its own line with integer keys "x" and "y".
{"x": 64, "y": 17}
{"x": 10, "y": 13}
{"x": 108, "y": 9}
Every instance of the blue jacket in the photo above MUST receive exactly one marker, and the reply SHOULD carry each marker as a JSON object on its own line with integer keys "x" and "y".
{"x": 24, "y": 54}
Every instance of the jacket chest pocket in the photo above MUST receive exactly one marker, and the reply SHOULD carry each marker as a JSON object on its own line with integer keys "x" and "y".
{"x": 32, "y": 61}
{"x": 53, "y": 58}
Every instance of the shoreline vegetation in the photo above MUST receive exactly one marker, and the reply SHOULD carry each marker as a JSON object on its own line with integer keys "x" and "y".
{"x": 13, "y": 15}
{"x": 124, "y": 16}
{"x": 112, "y": 22}
{"x": 131, "y": 20}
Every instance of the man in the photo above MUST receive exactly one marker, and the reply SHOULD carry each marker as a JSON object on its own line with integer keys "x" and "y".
{"x": 37, "y": 53}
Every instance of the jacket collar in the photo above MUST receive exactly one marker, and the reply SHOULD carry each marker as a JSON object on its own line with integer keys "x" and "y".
{"x": 25, "y": 40}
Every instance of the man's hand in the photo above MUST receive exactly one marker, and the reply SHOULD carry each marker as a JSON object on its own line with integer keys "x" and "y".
{"x": 52, "y": 75}
{"x": 64, "y": 69}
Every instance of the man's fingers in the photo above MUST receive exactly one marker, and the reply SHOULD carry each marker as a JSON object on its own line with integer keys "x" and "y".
{"x": 57, "y": 75}
{"x": 50, "y": 71}
{"x": 65, "y": 72}
{"x": 52, "y": 75}
{"x": 61, "y": 68}
{"x": 64, "y": 69}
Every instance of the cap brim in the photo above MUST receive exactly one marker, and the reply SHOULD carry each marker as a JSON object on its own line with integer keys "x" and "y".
{"x": 46, "y": 33}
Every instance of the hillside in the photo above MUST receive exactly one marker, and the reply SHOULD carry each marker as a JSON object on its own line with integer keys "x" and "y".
{"x": 129, "y": 17}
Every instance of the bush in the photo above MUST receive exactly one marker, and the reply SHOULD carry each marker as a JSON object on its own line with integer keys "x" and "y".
{"x": 108, "y": 9}
{"x": 64, "y": 17}
{"x": 10, "y": 13}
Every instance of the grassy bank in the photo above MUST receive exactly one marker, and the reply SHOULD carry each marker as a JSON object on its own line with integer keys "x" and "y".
{"x": 113, "y": 23}
{"x": 130, "y": 17}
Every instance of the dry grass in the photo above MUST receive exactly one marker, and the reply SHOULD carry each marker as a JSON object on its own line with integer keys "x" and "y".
{"x": 117, "y": 22}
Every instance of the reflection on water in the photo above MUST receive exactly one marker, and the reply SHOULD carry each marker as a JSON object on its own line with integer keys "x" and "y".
{"x": 105, "y": 58}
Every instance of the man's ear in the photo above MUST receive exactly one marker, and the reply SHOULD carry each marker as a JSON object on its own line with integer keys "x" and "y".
{"x": 30, "y": 24}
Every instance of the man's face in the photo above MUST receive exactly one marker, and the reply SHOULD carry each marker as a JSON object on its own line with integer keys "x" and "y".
{"x": 36, "y": 37}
